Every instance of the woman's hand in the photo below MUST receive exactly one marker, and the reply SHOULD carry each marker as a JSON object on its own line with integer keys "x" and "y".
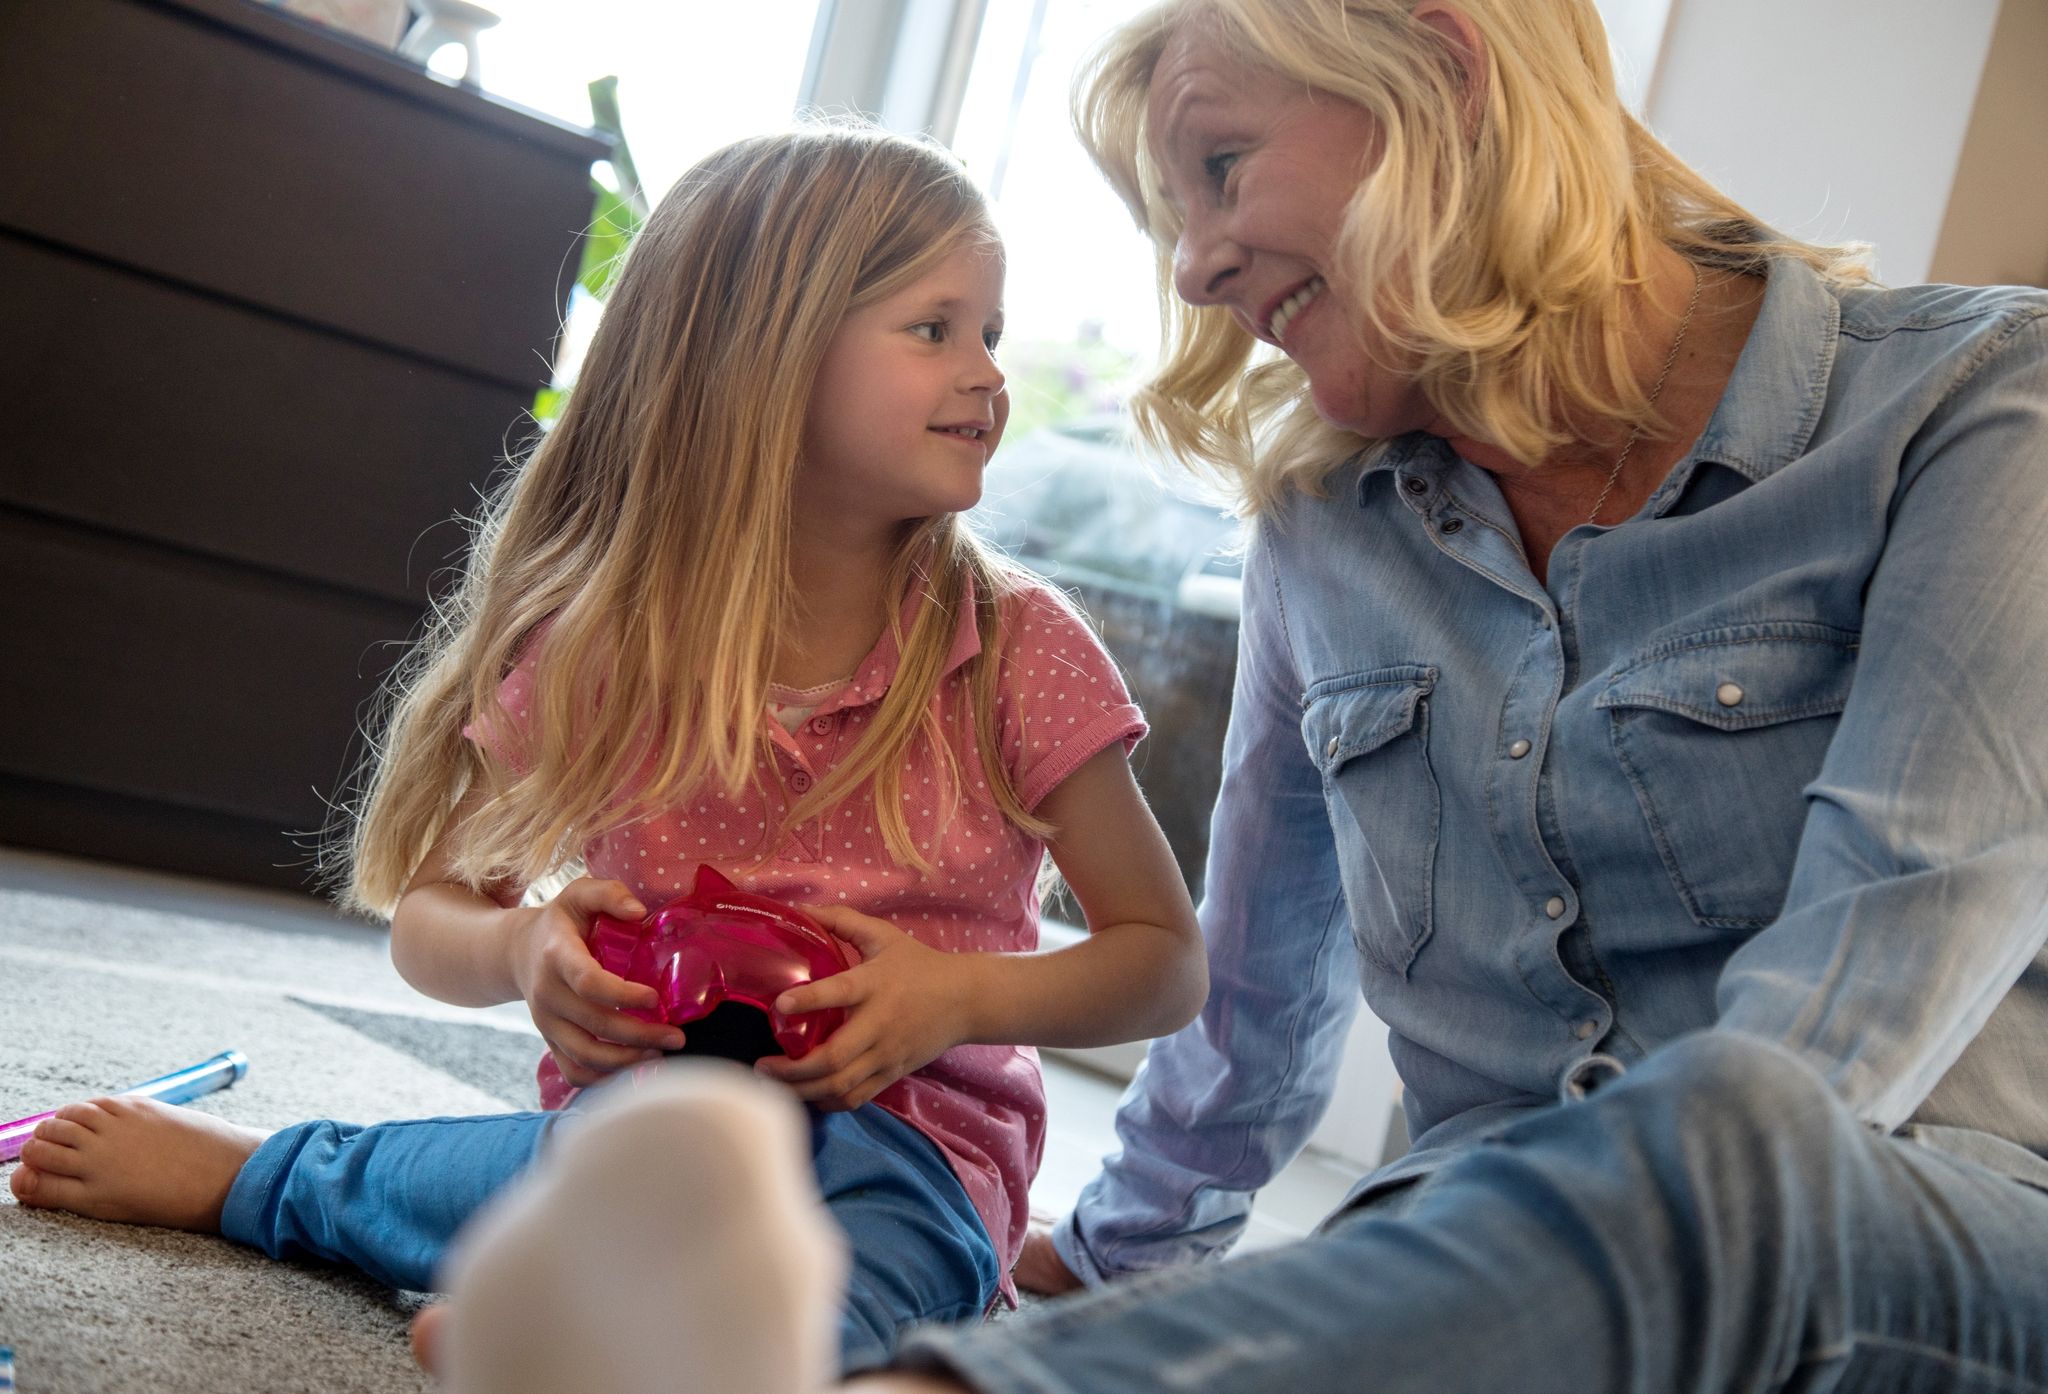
{"x": 1040, "y": 1268}
{"x": 578, "y": 1006}
{"x": 906, "y": 1004}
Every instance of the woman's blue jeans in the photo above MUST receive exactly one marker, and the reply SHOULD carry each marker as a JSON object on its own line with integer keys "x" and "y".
{"x": 388, "y": 1199}
{"x": 1716, "y": 1221}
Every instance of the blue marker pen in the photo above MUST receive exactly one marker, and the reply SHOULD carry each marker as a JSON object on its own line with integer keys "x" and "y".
{"x": 177, "y": 1087}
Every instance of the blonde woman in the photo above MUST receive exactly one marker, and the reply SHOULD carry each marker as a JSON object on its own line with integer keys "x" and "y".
{"x": 1643, "y": 641}
{"x": 727, "y": 613}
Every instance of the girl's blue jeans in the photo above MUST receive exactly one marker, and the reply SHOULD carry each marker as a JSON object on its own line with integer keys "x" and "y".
{"x": 388, "y": 1199}
{"x": 1714, "y": 1222}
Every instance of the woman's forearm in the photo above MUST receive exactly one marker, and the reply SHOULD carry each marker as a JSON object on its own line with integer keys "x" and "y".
{"x": 454, "y": 943}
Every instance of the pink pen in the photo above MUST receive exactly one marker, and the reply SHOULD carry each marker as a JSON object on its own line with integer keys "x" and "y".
{"x": 174, "y": 1088}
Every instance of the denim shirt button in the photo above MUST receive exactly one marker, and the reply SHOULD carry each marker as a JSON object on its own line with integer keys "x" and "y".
{"x": 1729, "y": 694}
{"x": 1554, "y": 907}
{"x": 1416, "y": 486}
{"x": 1452, "y": 525}
{"x": 1330, "y": 750}
{"x": 1518, "y": 750}
{"x": 1578, "y": 1080}
{"x": 1586, "y": 1030}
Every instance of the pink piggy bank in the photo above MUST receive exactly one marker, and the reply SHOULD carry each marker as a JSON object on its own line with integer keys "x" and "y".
{"x": 720, "y": 946}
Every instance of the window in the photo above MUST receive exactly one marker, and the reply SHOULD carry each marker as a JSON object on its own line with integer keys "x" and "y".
{"x": 1067, "y": 492}
{"x": 691, "y": 78}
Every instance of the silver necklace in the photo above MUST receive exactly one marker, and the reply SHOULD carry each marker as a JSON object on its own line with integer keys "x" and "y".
{"x": 1656, "y": 391}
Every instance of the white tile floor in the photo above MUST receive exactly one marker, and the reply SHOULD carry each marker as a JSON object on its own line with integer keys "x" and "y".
{"x": 1081, "y": 1101}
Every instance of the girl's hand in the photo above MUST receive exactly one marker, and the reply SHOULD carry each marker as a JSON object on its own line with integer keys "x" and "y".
{"x": 577, "y": 1005}
{"x": 906, "y": 1004}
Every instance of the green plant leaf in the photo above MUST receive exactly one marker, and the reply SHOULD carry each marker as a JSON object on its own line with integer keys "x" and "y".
{"x": 615, "y": 216}
{"x": 612, "y": 225}
{"x": 604, "y": 115}
{"x": 619, "y": 212}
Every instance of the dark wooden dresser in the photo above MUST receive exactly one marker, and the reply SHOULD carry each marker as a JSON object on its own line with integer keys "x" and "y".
{"x": 273, "y": 305}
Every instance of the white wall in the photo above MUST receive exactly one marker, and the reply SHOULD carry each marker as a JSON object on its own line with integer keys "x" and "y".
{"x": 1635, "y": 32}
{"x": 1831, "y": 119}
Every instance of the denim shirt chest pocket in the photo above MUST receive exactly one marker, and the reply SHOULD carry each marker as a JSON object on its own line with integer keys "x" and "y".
{"x": 1369, "y": 735}
{"x": 1719, "y": 734}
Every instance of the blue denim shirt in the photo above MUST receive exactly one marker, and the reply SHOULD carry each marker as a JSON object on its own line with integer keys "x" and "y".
{"x": 1770, "y": 756}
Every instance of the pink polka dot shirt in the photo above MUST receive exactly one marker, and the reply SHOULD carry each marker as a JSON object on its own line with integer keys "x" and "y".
{"x": 1060, "y": 702}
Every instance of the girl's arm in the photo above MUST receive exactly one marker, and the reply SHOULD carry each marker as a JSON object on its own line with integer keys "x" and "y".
{"x": 1141, "y": 972}
{"x": 448, "y": 940}
{"x": 479, "y": 948}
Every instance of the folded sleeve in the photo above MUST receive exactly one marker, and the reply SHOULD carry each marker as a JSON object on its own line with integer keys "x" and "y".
{"x": 503, "y": 730}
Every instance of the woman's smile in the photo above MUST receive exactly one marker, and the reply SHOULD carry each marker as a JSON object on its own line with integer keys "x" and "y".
{"x": 1278, "y": 322}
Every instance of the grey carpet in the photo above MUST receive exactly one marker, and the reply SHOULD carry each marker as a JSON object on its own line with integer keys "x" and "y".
{"x": 109, "y": 977}
{"x": 489, "y": 1058}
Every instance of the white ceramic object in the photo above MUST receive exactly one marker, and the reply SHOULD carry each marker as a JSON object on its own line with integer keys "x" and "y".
{"x": 444, "y": 22}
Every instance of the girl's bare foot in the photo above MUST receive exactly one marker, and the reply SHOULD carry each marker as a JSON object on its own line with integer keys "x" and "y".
{"x": 136, "y": 1161}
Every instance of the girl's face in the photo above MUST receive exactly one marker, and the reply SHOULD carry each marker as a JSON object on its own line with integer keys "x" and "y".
{"x": 1262, "y": 171}
{"x": 909, "y": 403}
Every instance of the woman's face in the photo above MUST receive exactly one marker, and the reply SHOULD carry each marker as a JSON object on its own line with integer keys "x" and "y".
{"x": 1261, "y": 170}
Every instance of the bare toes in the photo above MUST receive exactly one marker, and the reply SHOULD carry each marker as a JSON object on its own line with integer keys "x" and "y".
{"x": 38, "y": 1190}
{"x": 136, "y": 1161}
{"x": 426, "y": 1336}
{"x": 52, "y": 1158}
{"x": 63, "y": 1132}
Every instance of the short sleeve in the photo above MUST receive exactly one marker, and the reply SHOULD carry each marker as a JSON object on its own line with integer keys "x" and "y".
{"x": 503, "y": 732}
{"x": 1063, "y": 700}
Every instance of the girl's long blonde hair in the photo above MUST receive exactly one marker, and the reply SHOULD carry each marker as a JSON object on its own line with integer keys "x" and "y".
{"x": 639, "y": 557}
{"x": 1498, "y": 253}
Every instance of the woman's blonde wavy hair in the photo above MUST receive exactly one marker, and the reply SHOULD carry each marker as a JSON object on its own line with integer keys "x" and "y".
{"x": 1499, "y": 245}
{"x": 639, "y": 558}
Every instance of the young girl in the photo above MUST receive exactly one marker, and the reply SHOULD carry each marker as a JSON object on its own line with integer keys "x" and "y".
{"x": 727, "y": 613}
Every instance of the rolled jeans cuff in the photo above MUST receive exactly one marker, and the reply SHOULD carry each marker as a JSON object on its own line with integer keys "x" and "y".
{"x": 242, "y": 1216}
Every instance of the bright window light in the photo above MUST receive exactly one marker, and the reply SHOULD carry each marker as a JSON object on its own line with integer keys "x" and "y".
{"x": 692, "y": 77}
{"x": 1080, "y": 272}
